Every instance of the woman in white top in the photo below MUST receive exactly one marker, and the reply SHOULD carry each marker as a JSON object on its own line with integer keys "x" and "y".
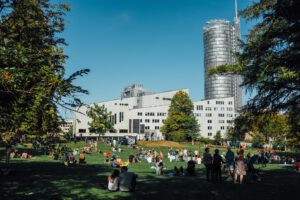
{"x": 113, "y": 180}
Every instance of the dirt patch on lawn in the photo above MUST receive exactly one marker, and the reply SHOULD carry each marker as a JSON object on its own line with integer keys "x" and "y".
{"x": 161, "y": 144}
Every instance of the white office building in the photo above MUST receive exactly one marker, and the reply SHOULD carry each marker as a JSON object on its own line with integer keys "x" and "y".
{"x": 142, "y": 114}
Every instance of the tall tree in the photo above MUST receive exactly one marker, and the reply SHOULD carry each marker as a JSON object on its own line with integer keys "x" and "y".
{"x": 181, "y": 122}
{"x": 32, "y": 73}
{"x": 101, "y": 119}
{"x": 269, "y": 61}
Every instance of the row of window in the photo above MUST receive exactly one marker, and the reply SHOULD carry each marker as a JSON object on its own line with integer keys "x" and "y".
{"x": 148, "y": 127}
{"x": 153, "y": 120}
{"x": 210, "y": 128}
{"x": 122, "y": 104}
{"x": 152, "y": 114}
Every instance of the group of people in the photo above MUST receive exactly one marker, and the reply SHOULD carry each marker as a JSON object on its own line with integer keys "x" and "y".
{"x": 235, "y": 166}
{"x": 125, "y": 182}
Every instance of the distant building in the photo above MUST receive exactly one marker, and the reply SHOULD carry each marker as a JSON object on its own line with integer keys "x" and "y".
{"x": 221, "y": 42}
{"x": 143, "y": 114}
{"x": 66, "y": 126}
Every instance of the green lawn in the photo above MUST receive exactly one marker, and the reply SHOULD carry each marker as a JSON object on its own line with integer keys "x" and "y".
{"x": 43, "y": 178}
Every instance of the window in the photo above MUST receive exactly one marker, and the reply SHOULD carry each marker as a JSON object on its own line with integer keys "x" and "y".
{"x": 230, "y": 102}
{"x": 140, "y": 114}
{"x": 209, "y": 128}
{"x": 161, "y": 114}
{"x": 167, "y": 99}
{"x": 222, "y": 127}
{"x": 221, "y": 115}
{"x": 147, "y": 127}
{"x": 208, "y": 108}
{"x": 199, "y": 107}
{"x": 123, "y": 131}
{"x": 82, "y": 130}
{"x": 208, "y": 115}
{"x": 156, "y": 97}
{"x": 197, "y": 114}
{"x": 156, "y": 127}
{"x": 147, "y": 120}
{"x": 222, "y": 108}
{"x": 121, "y": 116}
{"x": 221, "y": 121}
{"x": 207, "y": 102}
{"x": 215, "y": 108}
{"x": 149, "y": 114}
{"x": 229, "y": 121}
{"x": 229, "y": 109}
{"x": 209, "y": 121}
{"x": 141, "y": 120}
{"x": 229, "y": 115}
{"x": 209, "y": 134}
{"x": 220, "y": 102}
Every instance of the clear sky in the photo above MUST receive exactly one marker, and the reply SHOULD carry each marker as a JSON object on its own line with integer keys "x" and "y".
{"x": 157, "y": 43}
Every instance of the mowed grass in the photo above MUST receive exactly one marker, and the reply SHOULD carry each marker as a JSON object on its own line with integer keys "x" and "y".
{"x": 44, "y": 178}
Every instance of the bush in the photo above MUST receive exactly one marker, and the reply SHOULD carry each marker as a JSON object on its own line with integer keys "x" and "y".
{"x": 206, "y": 140}
{"x": 176, "y": 136}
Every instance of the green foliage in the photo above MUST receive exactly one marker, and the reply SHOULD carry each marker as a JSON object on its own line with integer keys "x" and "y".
{"x": 205, "y": 140}
{"x": 32, "y": 73}
{"x": 218, "y": 137}
{"x": 181, "y": 122}
{"x": 264, "y": 128}
{"x": 100, "y": 119}
{"x": 269, "y": 61}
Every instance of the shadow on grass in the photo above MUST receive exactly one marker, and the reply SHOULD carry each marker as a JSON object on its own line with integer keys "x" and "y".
{"x": 52, "y": 180}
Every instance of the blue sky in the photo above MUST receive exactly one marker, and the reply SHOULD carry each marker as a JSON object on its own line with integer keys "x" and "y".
{"x": 158, "y": 43}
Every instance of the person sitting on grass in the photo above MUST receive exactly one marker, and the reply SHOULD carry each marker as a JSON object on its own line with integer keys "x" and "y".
{"x": 26, "y": 155}
{"x": 72, "y": 160}
{"x": 81, "y": 158}
{"x": 127, "y": 181}
{"x": 191, "y": 167}
{"x": 113, "y": 180}
{"x": 176, "y": 171}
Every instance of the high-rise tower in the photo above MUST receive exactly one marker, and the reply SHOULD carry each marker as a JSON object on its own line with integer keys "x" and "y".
{"x": 221, "y": 42}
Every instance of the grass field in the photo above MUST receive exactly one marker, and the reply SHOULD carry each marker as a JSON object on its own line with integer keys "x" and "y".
{"x": 44, "y": 178}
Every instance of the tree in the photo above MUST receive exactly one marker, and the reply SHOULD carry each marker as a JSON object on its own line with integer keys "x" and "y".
{"x": 101, "y": 121}
{"x": 269, "y": 61}
{"x": 264, "y": 128}
{"x": 218, "y": 137}
{"x": 32, "y": 73}
{"x": 181, "y": 123}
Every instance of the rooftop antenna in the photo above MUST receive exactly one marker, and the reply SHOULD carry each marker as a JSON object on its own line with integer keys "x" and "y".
{"x": 236, "y": 10}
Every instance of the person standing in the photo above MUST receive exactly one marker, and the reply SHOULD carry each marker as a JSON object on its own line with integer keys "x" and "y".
{"x": 240, "y": 168}
{"x": 216, "y": 166}
{"x": 207, "y": 161}
{"x": 230, "y": 162}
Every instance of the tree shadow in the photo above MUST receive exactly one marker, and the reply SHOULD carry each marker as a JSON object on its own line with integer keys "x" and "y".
{"x": 53, "y": 180}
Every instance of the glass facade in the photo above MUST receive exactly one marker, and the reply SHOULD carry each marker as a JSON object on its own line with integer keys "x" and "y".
{"x": 220, "y": 44}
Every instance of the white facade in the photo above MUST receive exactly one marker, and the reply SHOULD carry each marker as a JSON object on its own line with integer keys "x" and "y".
{"x": 145, "y": 114}
{"x": 66, "y": 126}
